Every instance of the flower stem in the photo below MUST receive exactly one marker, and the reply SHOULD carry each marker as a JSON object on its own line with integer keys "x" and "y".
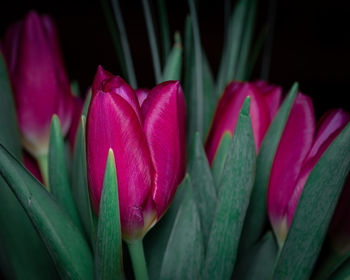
{"x": 138, "y": 260}
{"x": 43, "y": 162}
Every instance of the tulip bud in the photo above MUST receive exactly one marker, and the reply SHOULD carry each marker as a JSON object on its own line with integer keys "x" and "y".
{"x": 298, "y": 152}
{"x": 148, "y": 142}
{"x": 265, "y": 101}
{"x": 39, "y": 80}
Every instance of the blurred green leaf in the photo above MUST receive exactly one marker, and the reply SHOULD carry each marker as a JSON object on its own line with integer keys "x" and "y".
{"x": 248, "y": 32}
{"x": 204, "y": 191}
{"x": 233, "y": 200}
{"x": 156, "y": 239}
{"x": 256, "y": 218}
{"x": 108, "y": 257}
{"x": 152, "y": 40}
{"x": 172, "y": 69}
{"x": 164, "y": 28}
{"x": 80, "y": 187}
{"x": 23, "y": 255}
{"x": 9, "y": 133}
{"x": 65, "y": 243}
{"x": 184, "y": 255}
{"x": 220, "y": 158}
{"x": 197, "y": 108}
{"x": 58, "y": 176}
{"x": 314, "y": 211}
{"x": 342, "y": 273}
{"x": 198, "y": 70}
{"x": 232, "y": 47}
{"x": 259, "y": 262}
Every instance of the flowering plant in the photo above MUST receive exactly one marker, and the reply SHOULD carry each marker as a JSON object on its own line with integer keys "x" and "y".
{"x": 200, "y": 178}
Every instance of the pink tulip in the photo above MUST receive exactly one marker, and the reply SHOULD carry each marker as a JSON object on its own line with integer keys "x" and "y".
{"x": 298, "y": 152}
{"x": 148, "y": 142}
{"x": 39, "y": 80}
{"x": 265, "y": 101}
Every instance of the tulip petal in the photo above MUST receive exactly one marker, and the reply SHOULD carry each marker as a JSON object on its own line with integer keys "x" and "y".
{"x": 112, "y": 123}
{"x": 141, "y": 94}
{"x": 164, "y": 122}
{"x": 329, "y": 127}
{"x": 295, "y": 143}
{"x": 106, "y": 82}
{"x": 227, "y": 114}
{"x": 272, "y": 95}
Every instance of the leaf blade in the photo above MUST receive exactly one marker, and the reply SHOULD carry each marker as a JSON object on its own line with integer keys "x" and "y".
{"x": 108, "y": 256}
{"x": 232, "y": 202}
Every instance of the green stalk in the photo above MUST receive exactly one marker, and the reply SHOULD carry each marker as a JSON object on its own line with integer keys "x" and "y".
{"x": 138, "y": 260}
{"x": 124, "y": 42}
{"x": 43, "y": 161}
{"x": 164, "y": 28}
{"x": 152, "y": 41}
{"x": 198, "y": 68}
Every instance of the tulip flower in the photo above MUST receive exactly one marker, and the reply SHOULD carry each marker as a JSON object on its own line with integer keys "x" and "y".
{"x": 265, "y": 101}
{"x": 147, "y": 136}
{"x": 39, "y": 80}
{"x": 301, "y": 146}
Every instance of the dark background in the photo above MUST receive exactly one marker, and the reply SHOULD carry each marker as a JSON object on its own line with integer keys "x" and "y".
{"x": 311, "y": 42}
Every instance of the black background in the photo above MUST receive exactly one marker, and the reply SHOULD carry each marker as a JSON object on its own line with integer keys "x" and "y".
{"x": 311, "y": 42}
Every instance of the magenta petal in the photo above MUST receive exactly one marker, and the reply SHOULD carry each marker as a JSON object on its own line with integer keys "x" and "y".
{"x": 141, "y": 94}
{"x": 294, "y": 146}
{"x": 163, "y": 129}
{"x": 228, "y": 111}
{"x": 112, "y": 123}
{"x": 100, "y": 76}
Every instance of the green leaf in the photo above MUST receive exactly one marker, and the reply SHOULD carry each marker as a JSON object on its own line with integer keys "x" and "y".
{"x": 86, "y": 104}
{"x": 191, "y": 93}
{"x": 256, "y": 218}
{"x": 208, "y": 95}
{"x": 108, "y": 257}
{"x": 152, "y": 40}
{"x": 164, "y": 28}
{"x": 246, "y": 42}
{"x": 9, "y": 133}
{"x": 220, "y": 158}
{"x": 198, "y": 70}
{"x": 172, "y": 69}
{"x": 233, "y": 200}
{"x": 233, "y": 45}
{"x": 65, "y": 243}
{"x": 156, "y": 239}
{"x": 19, "y": 259}
{"x": 342, "y": 273}
{"x": 124, "y": 44}
{"x": 184, "y": 255}
{"x": 204, "y": 191}
{"x": 58, "y": 176}
{"x": 258, "y": 263}
{"x": 314, "y": 211}
{"x": 80, "y": 188}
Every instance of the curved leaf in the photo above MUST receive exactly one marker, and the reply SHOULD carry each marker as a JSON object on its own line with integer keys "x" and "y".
{"x": 233, "y": 200}
{"x": 65, "y": 243}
